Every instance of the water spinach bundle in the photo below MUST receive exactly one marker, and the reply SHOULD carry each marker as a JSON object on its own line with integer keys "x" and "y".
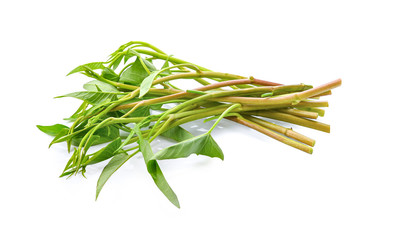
{"x": 134, "y": 97}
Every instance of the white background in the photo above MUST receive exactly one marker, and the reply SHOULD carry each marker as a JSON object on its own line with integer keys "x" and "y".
{"x": 263, "y": 189}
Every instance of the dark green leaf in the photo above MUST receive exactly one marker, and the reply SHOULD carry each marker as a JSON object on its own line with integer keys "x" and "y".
{"x": 105, "y": 152}
{"x": 52, "y": 130}
{"x": 105, "y": 87}
{"x": 115, "y": 163}
{"x": 200, "y": 145}
{"x": 135, "y": 74}
{"x": 157, "y": 106}
{"x": 93, "y": 141}
{"x": 92, "y": 97}
{"x": 177, "y": 133}
{"x": 139, "y": 112}
{"x": 91, "y": 66}
{"x": 154, "y": 169}
{"x": 147, "y": 82}
{"x": 106, "y": 134}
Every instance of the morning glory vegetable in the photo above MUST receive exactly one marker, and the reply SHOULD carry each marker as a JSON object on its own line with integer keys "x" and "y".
{"x": 135, "y": 97}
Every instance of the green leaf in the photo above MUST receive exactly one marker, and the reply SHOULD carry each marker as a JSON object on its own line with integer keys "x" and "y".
{"x": 157, "y": 106}
{"x": 92, "y": 97}
{"x": 117, "y": 62}
{"x": 135, "y": 74}
{"x": 115, "y": 163}
{"x": 93, "y": 141}
{"x": 154, "y": 169}
{"x": 67, "y": 173}
{"x": 177, "y": 133}
{"x": 105, "y": 153}
{"x": 90, "y": 66}
{"x": 105, "y": 87}
{"x": 106, "y": 134}
{"x": 139, "y": 112}
{"x": 63, "y": 132}
{"x": 109, "y": 74}
{"x": 147, "y": 82}
{"x": 149, "y": 64}
{"x": 165, "y": 65}
{"x": 130, "y": 53}
{"x": 97, "y": 108}
{"x": 52, "y": 130}
{"x": 78, "y": 112}
{"x": 201, "y": 145}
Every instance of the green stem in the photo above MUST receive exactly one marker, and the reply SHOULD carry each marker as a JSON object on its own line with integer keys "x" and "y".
{"x": 286, "y": 131}
{"x": 288, "y": 88}
{"x": 292, "y": 119}
{"x": 202, "y": 74}
{"x": 165, "y": 56}
{"x": 222, "y": 116}
{"x": 273, "y": 134}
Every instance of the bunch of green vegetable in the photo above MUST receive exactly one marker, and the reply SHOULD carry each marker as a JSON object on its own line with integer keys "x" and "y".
{"x": 128, "y": 107}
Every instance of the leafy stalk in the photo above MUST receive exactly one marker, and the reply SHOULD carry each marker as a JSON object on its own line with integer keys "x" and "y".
{"x": 131, "y": 102}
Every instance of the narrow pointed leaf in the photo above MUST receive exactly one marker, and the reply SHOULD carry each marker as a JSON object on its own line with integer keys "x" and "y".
{"x": 154, "y": 169}
{"x": 177, "y": 133}
{"x": 115, "y": 163}
{"x": 105, "y": 153}
{"x": 106, "y": 134}
{"x": 146, "y": 84}
{"x": 117, "y": 62}
{"x": 105, "y": 87}
{"x": 91, "y": 66}
{"x": 92, "y": 97}
{"x": 63, "y": 132}
{"x": 52, "y": 130}
{"x": 67, "y": 173}
{"x": 78, "y": 112}
{"x": 93, "y": 141}
{"x": 200, "y": 145}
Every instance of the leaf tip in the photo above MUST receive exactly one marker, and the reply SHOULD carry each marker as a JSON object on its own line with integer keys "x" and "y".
{"x": 177, "y": 204}
{"x": 220, "y": 155}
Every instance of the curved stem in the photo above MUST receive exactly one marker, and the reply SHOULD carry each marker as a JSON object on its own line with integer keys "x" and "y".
{"x": 222, "y": 116}
{"x": 165, "y": 56}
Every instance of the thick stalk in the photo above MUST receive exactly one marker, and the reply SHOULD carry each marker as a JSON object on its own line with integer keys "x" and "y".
{"x": 205, "y": 74}
{"x": 272, "y": 134}
{"x": 287, "y": 88}
{"x": 319, "y": 111}
{"x": 299, "y": 113}
{"x": 286, "y": 131}
{"x": 292, "y": 119}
